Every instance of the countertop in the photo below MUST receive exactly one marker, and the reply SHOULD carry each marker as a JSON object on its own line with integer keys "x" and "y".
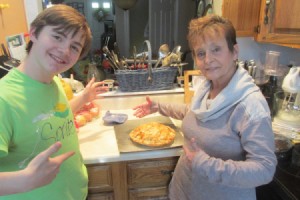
{"x": 118, "y": 93}
{"x": 98, "y": 142}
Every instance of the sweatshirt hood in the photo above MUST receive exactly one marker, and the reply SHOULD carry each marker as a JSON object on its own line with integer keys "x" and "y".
{"x": 239, "y": 87}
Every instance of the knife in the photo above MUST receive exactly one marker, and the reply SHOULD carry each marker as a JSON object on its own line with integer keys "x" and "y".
{"x": 4, "y": 50}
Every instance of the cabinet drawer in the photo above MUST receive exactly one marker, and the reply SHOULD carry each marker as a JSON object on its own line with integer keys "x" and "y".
{"x": 101, "y": 196}
{"x": 100, "y": 178}
{"x": 150, "y": 173}
{"x": 155, "y": 193}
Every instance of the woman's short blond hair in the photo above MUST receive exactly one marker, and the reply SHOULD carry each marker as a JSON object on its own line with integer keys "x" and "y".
{"x": 201, "y": 28}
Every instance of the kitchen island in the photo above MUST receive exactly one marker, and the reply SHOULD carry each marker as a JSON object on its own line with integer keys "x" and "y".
{"x": 134, "y": 175}
{"x": 115, "y": 175}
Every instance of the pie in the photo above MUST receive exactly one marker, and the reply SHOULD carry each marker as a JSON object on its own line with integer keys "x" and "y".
{"x": 153, "y": 134}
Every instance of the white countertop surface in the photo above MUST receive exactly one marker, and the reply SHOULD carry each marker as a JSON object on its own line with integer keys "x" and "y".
{"x": 117, "y": 92}
{"x": 98, "y": 142}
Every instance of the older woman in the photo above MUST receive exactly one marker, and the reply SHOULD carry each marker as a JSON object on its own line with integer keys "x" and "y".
{"x": 229, "y": 143}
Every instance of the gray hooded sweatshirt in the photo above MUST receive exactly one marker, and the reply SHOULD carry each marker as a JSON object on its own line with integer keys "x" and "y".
{"x": 234, "y": 134}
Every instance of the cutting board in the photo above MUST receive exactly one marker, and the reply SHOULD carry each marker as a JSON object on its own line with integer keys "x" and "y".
{"x": 125, "y": 144}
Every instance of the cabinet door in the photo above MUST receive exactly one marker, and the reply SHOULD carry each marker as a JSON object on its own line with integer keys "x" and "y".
{"x": 101, "y": 196}
{"x": 243, "y": 14}
{"x": 100, "y": 178}
{"x": 155, "y": 193}
{"x": 280, "y": 22}
{"x": 152, "y": 173}
{"x": 162, "y": 22}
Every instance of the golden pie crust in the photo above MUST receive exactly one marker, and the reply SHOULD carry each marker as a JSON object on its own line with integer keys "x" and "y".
{"x": 153, "y": 134}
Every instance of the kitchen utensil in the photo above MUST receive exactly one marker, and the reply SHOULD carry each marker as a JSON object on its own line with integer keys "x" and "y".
{"x": 179, "y": 66}
{"x": 134, "y": 56}
{"x": 271, "y": 63}
{"x": 147, "y": 44}
{"x": 110, "y": 57}
{"x": 4, "y": 50}
{"x": 116, "y": 60}
{"x": 288, "y": 101}
{"x": 176, "y": 49}
{"x": 200, "y": 8}
{"x": 126, "y": 145}
{"x": 117, "y": 50}
{"x": 163, "y": 51}
{"x": 93, "y": 72}
{"x": 283, "y": 147}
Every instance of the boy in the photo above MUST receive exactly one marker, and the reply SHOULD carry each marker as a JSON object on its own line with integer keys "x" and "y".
{"x": 35, "y": 113}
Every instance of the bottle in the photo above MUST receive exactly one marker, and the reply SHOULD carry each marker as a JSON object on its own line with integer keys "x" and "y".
{"x": 93, "y": 72}
{"x": 269, "y": 92}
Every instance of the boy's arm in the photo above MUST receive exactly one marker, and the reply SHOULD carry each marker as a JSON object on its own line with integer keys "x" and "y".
{"x": 89, "y": 94}
{"x": 39, "y": 172}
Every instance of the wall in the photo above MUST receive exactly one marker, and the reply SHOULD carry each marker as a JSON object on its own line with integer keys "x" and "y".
{"x": 12, "y": 19}
{"x": 250, "y": 49}
{"x": 32, "y": 9}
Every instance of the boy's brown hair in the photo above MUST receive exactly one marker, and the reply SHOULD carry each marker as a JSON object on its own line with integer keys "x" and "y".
{"x": 64, "y": 18}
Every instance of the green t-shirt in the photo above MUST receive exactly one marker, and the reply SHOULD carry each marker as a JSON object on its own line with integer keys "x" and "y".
{"x": 33, "y": 116}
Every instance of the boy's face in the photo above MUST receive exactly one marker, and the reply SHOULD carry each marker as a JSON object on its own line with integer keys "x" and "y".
{"x": 55, "y": 51}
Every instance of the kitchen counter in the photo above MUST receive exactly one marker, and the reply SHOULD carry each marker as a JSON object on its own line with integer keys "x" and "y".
{"x": 98, "y": 142}
{"x": 117, "y": 100}
{"x": 118, "y": 93}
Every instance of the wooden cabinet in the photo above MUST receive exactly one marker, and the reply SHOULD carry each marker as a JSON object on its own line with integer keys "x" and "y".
{"x": 269, "y": 21}
{"x": 100, "y": 182}
{"x": 131, "y": 180}
{"x": 279, "y": 22}
{"x": 12, "y": 19}
{"x": 243, "y": 14}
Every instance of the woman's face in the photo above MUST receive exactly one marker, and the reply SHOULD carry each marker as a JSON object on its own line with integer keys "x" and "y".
{"x": 214, "y": 59}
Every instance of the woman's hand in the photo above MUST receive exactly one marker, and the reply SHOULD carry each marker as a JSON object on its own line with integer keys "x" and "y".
{"x": 144, "y": 109}
{"x": 190, "y": 150}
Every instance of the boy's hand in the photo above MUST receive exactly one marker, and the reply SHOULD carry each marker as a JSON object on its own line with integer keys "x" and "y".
{"x": 43, "y": 169}
{"x": 92, "y": 89}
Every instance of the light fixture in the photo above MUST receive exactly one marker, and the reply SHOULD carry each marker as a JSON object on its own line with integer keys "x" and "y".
{"x": 106, "y": 5}
{"x": 95, "y": 5}
{"x": 125, "y": 4}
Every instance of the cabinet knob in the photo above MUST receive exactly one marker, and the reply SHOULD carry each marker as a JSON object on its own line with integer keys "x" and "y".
{"x": 167, "y": 172}
{"x": 266, "y": 18}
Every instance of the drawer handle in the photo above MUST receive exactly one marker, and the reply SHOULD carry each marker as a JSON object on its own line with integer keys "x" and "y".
{"x": 167, "y": 172}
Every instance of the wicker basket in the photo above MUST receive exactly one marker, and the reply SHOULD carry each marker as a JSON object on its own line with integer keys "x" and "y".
{"x": 137, "y": 80}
